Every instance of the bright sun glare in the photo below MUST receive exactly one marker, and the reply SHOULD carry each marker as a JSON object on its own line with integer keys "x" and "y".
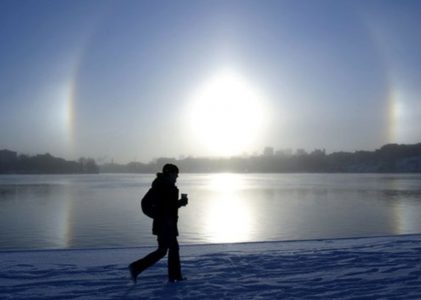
{"x": 228, "y": 217}
{"x": 227, "y": 115}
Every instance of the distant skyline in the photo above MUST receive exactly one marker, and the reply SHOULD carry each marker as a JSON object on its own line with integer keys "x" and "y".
{"x": 138, "y": 80}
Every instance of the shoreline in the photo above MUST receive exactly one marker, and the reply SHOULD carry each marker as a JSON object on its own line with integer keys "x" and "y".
{"x": 218, "y": 245}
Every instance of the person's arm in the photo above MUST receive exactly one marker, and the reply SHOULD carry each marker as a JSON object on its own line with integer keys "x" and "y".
{"x": 181, "y": 202}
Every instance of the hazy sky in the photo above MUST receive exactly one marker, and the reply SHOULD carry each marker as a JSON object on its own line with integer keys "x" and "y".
{"x": 137, "y": 80}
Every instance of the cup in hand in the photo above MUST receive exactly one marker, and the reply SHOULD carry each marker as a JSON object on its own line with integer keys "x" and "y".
{"x": 184, "y": 198}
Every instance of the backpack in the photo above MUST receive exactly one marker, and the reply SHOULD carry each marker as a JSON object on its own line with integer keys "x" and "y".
{"x": 149, "y": 203}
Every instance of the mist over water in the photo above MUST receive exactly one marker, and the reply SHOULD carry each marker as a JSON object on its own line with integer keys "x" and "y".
{"x": 92, "y": 211}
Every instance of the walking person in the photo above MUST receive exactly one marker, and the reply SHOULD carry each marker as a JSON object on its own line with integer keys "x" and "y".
{"x": 166, "y": 205}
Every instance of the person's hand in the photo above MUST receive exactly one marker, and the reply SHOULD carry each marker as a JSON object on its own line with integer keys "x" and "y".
{"x": 183, "y": 202}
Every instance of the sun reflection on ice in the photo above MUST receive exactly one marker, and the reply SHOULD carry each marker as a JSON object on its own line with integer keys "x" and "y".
{"x": 228, "y": 218}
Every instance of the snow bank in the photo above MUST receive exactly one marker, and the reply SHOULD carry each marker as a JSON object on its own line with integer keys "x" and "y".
{"x": 366, "y": 268}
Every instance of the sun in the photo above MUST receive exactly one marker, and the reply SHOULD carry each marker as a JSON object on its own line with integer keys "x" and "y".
{"x": 227, "y": 115}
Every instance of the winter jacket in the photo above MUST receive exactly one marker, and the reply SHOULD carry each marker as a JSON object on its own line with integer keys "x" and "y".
{"x": 165, "y": 222}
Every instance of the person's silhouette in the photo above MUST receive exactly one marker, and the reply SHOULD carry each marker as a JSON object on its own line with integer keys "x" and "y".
{"x": 164, "y": 225}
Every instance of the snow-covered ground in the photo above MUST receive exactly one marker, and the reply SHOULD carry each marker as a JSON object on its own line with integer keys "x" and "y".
{"x": 365, "y": 268}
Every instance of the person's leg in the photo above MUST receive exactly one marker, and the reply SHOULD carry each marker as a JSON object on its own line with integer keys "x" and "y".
{"x": 174, "y": 268}
{"x": 142, "y": 264}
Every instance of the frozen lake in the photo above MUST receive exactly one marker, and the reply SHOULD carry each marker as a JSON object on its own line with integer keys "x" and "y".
{"x": 89, "y": 211}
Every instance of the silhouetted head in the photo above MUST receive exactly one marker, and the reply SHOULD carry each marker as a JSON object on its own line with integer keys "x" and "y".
{"x": 171, "y": 171}
{"x": 170, "y": 168}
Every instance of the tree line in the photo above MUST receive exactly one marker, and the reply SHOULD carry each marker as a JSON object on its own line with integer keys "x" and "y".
{"x": 390, "y": 158}
{"x": 12, "y": 163}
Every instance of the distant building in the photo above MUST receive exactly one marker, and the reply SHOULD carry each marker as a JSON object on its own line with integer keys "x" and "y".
{"x": 7, "y": 156}
{"x": 268, "y": 151}
{"x": 301, "y": 152}
{"x": 8, "y": 161}
{"x": 284, "y": 152}
{"x": 319, "y": 152}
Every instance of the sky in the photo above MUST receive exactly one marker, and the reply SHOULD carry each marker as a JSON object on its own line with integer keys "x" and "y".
{"x": 136, "y": 80}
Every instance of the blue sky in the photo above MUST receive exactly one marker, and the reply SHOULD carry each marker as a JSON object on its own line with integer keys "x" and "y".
{"x": 119, "y": 79}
